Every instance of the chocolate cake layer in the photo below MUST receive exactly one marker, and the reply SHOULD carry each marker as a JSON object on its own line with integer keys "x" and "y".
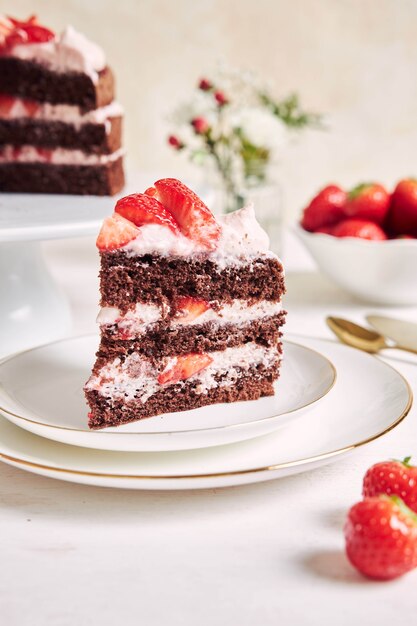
{"x": 36, "y": 82}
{"x": 125, "y": 280}
{"x": 91, "y": 138}
{"x": 254, "y": 384}
{"x": 161, "y": 341}
{"x": 99, "y": 180}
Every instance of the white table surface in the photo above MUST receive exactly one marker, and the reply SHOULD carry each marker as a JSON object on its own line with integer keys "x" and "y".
{"x": 263, "y": 554}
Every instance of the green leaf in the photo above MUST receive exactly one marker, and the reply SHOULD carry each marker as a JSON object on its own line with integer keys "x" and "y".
{"x": 356, "y": 191}
{"x": 290, "y": 112}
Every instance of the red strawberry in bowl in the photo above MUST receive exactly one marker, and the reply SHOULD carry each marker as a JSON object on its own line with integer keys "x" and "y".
{"x": 326, "y": 209}
{"x": 115, "y": 233}
{"x": 368, "y": 201}
{"x": 142, "y": 209}
{"x": 195, "y": 219}
{"x": 381, "y": 537}
{"x": 359, "y": 228}
{"x": 393, "y": 478}
{"x": 402, "y": 218}
{"x": 325, "y": 230}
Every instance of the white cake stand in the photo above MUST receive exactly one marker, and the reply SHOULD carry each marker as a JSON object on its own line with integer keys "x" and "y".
{"x": 33, "y": 310}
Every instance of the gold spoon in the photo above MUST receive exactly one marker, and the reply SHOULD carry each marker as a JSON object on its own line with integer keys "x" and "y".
{"x": 360, "y": 337}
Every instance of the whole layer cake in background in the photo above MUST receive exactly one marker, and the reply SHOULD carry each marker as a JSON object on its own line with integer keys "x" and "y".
{"x": 60, "y": 127}
{"x": 191, "y": 308}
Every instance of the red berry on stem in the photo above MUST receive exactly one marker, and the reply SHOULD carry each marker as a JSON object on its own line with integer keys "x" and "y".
{"x": 368, "y": 201}
{"x": 393, "y": 478}
{"x": 200, "y": 125}
{"x": 205, "y": 85}
{"x": 381, "y": 537}
{"x": 220, "y": 98}
{"x": 359, "y": 228}
{"x": 326, "y": 209}
{"x": 175, "y": 142}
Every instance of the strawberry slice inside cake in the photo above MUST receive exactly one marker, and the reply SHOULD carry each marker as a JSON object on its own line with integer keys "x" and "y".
{"x": 191, "y": 310}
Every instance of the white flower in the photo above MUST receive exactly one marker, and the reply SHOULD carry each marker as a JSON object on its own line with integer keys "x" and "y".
{"x": 261, "y": 128}
{"x": 201, "y": 104}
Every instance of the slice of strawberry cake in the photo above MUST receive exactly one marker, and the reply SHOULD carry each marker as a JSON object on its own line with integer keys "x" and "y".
{"x": 191, "y": 308}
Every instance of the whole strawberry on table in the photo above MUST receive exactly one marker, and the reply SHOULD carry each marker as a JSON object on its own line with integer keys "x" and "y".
{"x": 368, "y": 211}
{"x": 381, "y": 530}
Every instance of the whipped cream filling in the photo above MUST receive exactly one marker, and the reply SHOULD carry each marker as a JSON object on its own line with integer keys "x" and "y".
{"x": 69, "y": 52}
{"x": 44, "y": 111}
{"x": 241, "y": 238}
{"x": 137, "y": 320}
{"x": 56, "y": 156}
{"x": 136, "y": 378}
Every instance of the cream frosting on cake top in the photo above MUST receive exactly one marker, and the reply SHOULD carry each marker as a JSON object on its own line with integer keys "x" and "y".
{"x": 241, "y": 236}
{"x": 69, "y": 52}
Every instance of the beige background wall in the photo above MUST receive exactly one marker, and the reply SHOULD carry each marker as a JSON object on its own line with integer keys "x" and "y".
{"x": 354, "y": 59}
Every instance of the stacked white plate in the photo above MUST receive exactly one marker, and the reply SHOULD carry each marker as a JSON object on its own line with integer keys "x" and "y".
{"x": 315, "y": 416}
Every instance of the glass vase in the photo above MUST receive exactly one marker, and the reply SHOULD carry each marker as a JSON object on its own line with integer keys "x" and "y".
{"x": 266, "y": 197}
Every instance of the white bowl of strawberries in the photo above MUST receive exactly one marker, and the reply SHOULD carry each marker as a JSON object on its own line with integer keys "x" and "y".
{"x": 365, "y": 240}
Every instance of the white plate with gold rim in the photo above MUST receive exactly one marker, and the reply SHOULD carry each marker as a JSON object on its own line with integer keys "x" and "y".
{"x": 41, "y": 391}
{"x": 378, "y": 397}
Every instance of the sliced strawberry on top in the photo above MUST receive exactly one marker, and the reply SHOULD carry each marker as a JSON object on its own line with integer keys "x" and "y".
{"x": 195, "y": 219}
{"x": 188, "y": 309}
{"x": 142, "y": 209}
{"x": 31, "y": 20}
{"x": 6, "y": 25}
{"x": 34, "y": 31}
{"x": 116, "y": 232}
{"x": 182, "y": 367}
{"x": 17, "y": 36}
{"x": 37, "y": 34}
